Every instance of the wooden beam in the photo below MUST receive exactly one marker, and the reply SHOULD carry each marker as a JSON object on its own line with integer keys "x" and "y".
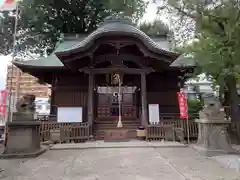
{"x": 116, "y": 70}
{"x": 123, "y": 57}
{"x": 148, "y": 52}
{"x": 70, "y": 88}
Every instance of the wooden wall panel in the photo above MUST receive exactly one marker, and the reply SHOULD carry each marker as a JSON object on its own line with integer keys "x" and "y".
{"x": 158, "y": 82}
{"x": 79, "y": 80}
{"x": 168, "y": 102}
{"x": 70, "y": 99}
{"x": 162, "y": 89}
{"x": 162, "y": 98}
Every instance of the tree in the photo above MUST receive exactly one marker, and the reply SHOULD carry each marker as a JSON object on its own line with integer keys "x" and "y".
{"x": 216, "y": 48}
{"x": 41, "y": 22}
{"x": 155, "y": 28}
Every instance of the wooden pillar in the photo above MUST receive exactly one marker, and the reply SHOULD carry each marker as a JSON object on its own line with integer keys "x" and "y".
{"x": 53, "y": 108}
{"x": 144, "y": 118}
{"x": 52, "y": 101}
{"x": 90, "y": 98}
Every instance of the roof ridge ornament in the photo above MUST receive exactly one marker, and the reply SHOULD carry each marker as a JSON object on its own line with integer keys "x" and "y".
{"x": 118, "y": 18}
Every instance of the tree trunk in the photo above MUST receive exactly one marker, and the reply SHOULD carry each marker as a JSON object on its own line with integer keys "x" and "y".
{"x": 233, "y": 98}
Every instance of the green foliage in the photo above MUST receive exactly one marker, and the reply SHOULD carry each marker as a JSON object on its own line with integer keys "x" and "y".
{"x": 42, "y": 21}
{"x": 218, "y": 36}
{"x": 155, "y": 28}
{"x": 194, "y": 107}
{"x": 132, "y": 8}
{"x": 217, "y": 43}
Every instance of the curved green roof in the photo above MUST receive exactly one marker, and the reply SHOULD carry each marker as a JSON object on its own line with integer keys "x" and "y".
{"x": 50, "y": 61}
{"x": 109, "y": 28}
{"x": 116, "y": 29}
{"x": 184, "y": 61}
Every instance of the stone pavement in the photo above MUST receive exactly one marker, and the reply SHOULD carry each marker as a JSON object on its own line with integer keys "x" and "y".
{"x": 194, "y": 166}
{"x": 153, "y": 163}
{"x": 229, "y": 160}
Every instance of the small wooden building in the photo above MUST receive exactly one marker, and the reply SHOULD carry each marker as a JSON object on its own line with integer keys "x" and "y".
{"x": 85, "y": 72}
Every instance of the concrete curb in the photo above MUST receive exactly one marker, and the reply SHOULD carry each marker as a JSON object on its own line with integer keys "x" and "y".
{"x": 23, "y": 155}
{"x": 112, "y": 147}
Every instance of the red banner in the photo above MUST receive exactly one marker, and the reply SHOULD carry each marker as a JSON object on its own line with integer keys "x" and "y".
{"x": 182, "y": 102}
{"x": 3, "y": 104}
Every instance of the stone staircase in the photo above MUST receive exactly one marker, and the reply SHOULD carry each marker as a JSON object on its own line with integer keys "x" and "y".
{"x": 103, "y": 124}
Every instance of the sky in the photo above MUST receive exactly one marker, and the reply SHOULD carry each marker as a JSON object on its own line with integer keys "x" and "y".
{"x": 150, "y": 15}
{"x": 4, "y": 61}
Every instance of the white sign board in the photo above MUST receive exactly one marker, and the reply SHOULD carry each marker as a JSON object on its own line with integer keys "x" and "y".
{"x": 69, "y": 114}
{"x": 153, "y": 113}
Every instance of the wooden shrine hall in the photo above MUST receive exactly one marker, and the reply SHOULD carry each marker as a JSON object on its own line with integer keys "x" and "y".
{"x": 116, "y": 70}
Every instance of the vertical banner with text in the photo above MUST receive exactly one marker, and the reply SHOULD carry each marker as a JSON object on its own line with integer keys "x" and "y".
{"x": 3, "y": 105}
{"x": 182, "y": 102}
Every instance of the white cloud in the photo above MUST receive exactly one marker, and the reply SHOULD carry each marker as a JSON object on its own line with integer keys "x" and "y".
{"x": 4, "y": 61}
{"x": 151, "y": 13}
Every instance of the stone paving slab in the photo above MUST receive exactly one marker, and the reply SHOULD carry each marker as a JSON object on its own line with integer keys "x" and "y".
{"x": 153, "y": 163}
{"x": 229, "y": 161}
{"x": 194, "y": 166}
{"x": 96, "y": 164}
{"x": 129, "y": 144}
{"x": 6, "y": 166}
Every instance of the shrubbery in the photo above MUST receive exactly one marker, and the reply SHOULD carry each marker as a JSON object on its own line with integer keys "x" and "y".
{"x": 194, "y": 106}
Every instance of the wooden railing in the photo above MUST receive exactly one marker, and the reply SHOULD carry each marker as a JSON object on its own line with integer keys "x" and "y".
{"x": 160, "y": 131}
{"x": 154, "y": 131}
{"x": 74, "y": 133}
{"x": 172, "y": 129}
{"x": 78, "y": 129}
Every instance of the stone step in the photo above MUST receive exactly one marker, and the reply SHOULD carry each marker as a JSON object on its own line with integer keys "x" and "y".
{"x": 115, "y": 120}
{"x": 129, "y": 126}
{"x": 99, "y": 134}
{"x": 115, "y": 125}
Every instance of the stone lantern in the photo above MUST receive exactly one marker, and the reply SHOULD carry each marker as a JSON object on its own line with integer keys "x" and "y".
{"x": 212, "y": 128}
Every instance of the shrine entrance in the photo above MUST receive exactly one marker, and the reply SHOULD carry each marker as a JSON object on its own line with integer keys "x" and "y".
{"x": 110, "y": 104}
{"x": 117, "y": 104}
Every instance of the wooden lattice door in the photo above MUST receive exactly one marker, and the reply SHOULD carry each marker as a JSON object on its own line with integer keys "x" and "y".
{"x": 108, "y": 105}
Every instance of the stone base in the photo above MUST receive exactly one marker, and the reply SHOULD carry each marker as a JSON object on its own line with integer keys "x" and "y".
{"x": 213, "y": 138}
{"x": 116, "y": 135}
{"x": 23, "y": 155}
{"x": 23, "y": 139}
{"x": 18, "y": 116}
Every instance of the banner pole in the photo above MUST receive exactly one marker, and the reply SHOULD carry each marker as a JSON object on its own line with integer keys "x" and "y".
{"x": 119, "y": 125}
{"x": 188, "y": 133}
{"x": 10, "y": 97}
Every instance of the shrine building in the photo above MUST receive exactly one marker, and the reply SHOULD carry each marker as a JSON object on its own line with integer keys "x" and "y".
{"x": 116, "y": 70}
